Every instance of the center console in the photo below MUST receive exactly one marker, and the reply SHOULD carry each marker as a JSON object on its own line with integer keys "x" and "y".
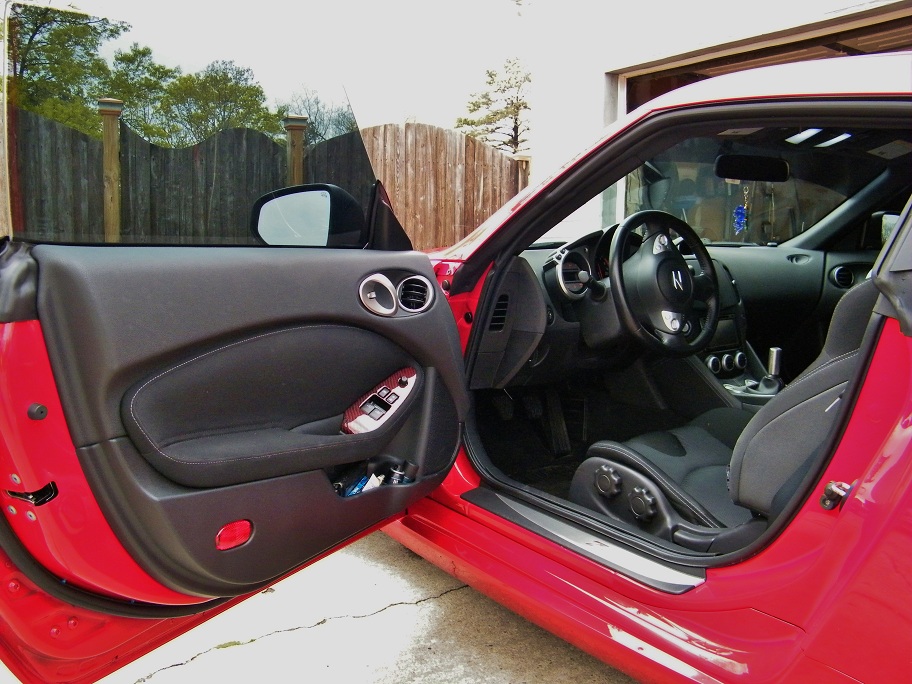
{"x": 731, "y": 359}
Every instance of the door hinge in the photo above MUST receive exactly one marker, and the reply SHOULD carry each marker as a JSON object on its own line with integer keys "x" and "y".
{"x": 835, "y": 494}
{"x": 39, "y": 497}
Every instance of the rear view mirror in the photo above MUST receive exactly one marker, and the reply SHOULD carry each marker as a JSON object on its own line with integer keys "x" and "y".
{"x": 315, "y": 215}
{"x": 749, "y": 167}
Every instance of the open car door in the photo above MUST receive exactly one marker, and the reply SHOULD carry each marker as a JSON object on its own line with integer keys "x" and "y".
{"x": 182, "y": 425}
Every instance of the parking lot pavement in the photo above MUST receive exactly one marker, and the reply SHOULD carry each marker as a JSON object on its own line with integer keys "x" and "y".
{"x": 374, "y": 612}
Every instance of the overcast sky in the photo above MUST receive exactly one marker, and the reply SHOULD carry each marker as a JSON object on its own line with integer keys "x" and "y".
{"x": 421, "y": 59}
{"x": 398, "y": 59}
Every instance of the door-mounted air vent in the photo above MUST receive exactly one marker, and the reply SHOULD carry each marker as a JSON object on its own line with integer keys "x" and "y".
{"x": 499, "y": 317}
{"x": 378, "y": 295}
{"x": 843, "y": 277}
{"x": 415, "y": 294}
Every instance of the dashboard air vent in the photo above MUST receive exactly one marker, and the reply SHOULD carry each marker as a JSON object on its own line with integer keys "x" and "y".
{"x": 499, "y": 317}
{"x": 415, "y": 294}
{"x": 843, "y": 277}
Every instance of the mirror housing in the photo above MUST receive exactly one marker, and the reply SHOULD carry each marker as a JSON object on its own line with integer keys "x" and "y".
{"x": 312, "y": 215}
{"x": 386, "y": 233}
{"x": 751, "y": 167}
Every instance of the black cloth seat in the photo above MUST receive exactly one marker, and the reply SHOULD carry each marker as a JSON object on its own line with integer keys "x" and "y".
{"x": 728, "y": 465}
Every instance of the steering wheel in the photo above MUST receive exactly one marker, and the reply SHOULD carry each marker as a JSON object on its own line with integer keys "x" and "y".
{"x": 653, "y": 289}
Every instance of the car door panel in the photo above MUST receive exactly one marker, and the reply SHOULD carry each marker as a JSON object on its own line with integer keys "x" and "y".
{"x": 238, "y": 413}
{"x": 207, "y": 386}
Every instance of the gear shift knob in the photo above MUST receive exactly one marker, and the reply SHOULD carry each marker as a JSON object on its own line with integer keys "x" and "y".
{"x": 774, "y": 364}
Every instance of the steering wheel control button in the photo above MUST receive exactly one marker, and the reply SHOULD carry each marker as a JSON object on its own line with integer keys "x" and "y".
{"x": 673, "y": 321}
{"x": 661, "y": 244}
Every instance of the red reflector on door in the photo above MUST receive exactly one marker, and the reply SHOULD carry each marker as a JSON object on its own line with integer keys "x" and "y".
{"x": 233, "y": 534}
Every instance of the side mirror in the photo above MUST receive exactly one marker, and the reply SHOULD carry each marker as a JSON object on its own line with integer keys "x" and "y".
{"x": 314, "y": 215}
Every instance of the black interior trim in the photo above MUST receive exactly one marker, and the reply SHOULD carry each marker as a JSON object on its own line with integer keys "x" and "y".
{"x": 170, "y": 530}
{"x": 279, "y": 346}
{"x": 18, "y": 282}
{"x": 261, "y": 407}
{"x": 114, "y": 315}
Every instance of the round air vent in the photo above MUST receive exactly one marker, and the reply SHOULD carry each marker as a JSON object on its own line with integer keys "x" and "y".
{"x": 415, "y": 294}
{"x": 570, "y": 265}
{"x": 378, "y": 294}
{"x": 843, "y": 277}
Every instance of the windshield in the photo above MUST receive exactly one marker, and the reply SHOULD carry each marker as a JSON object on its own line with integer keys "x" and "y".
{"x": 825, "y": 167}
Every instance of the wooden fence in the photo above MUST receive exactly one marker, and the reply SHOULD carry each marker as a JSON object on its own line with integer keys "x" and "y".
{"x": 441, "y": 182}
{"x": 199, "y": 194}
{"x": 56, "y": 183}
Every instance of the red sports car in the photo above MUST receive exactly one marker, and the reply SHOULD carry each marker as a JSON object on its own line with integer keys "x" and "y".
{"x": 660, "y": 404}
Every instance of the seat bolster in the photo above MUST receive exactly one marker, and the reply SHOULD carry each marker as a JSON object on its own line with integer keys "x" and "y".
{"x": 777, "y": 443}
{"x": 774, "y": 446}
{"x": 680, "y": 499}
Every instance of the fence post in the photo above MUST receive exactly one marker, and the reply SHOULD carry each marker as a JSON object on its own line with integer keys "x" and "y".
{"x": 295, "y": 126}
{"x": 110, "y": 110}
{"x": 523, "y": 162}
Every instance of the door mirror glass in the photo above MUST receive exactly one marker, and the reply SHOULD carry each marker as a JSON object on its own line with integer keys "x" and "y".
{"x": 313, "y": 215}
{"x": 300, "y": 219}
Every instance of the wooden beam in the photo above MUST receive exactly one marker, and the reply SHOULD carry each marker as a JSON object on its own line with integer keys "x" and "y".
{"x": 110, "y": 110}
{"x": 295, "y": 126}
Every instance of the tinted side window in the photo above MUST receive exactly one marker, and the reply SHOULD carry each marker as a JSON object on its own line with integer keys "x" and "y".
{"x": 109, "y": 145}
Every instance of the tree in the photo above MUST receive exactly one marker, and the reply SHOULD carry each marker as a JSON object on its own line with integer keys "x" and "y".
{"x": 221, "y": 96}
{"x": 500, "y": 111}
{"x": 325, "y": 119}
{"x": 137, "y": 79}
{"x": 55, "y": 63}
{"x": 57, "y": 72}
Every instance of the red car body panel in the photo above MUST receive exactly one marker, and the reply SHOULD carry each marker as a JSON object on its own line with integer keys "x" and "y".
{"x": 68, "y": 534}
{"x": 806, "y": 606}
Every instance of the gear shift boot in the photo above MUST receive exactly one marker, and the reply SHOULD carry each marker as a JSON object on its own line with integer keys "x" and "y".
{"x": 771, "y": 383}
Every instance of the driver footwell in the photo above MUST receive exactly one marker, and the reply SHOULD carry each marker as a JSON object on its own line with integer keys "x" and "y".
{"x": 539, "y": 436}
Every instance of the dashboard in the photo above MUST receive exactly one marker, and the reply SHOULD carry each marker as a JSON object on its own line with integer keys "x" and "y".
{"x": 545, "y": 326}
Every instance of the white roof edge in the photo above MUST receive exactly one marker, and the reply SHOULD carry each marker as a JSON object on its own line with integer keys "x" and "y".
{"x": 848, "y": 19}
{"x": 836, "y": 76}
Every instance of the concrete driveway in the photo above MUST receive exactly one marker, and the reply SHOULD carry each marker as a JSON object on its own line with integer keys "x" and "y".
{"x": 374, "y": 612}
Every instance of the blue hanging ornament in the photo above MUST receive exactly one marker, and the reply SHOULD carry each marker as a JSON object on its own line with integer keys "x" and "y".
{"x": 740, "y": 214}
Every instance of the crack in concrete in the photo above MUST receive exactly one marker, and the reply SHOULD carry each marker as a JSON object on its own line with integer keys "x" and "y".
{"x": 232, "y": 644}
